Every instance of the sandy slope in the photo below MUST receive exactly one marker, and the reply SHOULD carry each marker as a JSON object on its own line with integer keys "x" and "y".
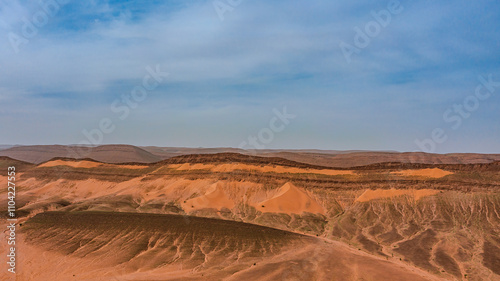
{"x": 74, "y": 164}
{"x": 287, "y": 199}
{"x": 313, "y": 261}
{"x": 264, "y": 169}
{"x": 290, "y": 200}
{"x": 430, "y": 173}
{"x": 215, "y": 198}
{"x": 110, "y": 246}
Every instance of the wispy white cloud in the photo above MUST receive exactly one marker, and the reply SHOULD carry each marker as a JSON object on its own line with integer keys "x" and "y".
{"x": 262, "y": 55}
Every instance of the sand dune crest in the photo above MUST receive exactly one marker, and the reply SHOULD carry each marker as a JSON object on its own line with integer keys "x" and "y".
{"x": 292, "y": 200}
{"x": 215, "y": 198}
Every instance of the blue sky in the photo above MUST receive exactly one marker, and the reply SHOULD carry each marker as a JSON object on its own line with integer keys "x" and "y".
{"x": 226, "y": 75}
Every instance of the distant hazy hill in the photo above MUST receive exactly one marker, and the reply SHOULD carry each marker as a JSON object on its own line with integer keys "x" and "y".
{"x": 352, "y": 159}
{"x": 105, "y": 153}
{"x": 150, "y": 154}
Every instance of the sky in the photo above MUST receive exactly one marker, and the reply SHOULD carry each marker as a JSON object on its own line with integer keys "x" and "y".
{"x": 339, "y": 75}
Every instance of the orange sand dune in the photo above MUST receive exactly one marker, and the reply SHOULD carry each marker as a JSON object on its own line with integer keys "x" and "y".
{"x": 389, "y": 193}
{"x": 215, "y": 198}
{"x": 292, "y": 200}
{"x": 79, "y": 190}
{"x": 74, "y": 164}
{"x": 178, "y": 190}
{"x": 430, "y": 173}
{"x": 218, "y": 195}
{"x": 274, "y": 169}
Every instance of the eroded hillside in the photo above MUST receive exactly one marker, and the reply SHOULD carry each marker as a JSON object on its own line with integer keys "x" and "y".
{"x": 439, "y": 220}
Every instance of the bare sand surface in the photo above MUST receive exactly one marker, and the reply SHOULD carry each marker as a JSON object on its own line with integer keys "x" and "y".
{"x": 291, "y": 200}
{"x": 275, "y": 169}
{"x": 215, "y": 198}
{"x": 74, "y": 164}
{"x": 330, "y": 260}
{"x": 430, "y": 173}
{"x": 131, "y": 166}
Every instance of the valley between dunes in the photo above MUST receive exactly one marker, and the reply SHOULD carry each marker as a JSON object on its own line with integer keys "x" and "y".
{"x": 234, "y": 217}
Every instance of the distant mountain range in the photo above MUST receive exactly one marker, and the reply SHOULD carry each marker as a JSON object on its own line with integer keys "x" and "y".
{"x": 150, "y": 154}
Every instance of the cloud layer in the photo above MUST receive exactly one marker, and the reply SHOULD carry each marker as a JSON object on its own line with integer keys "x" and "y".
{"x": 226, "y": 76}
